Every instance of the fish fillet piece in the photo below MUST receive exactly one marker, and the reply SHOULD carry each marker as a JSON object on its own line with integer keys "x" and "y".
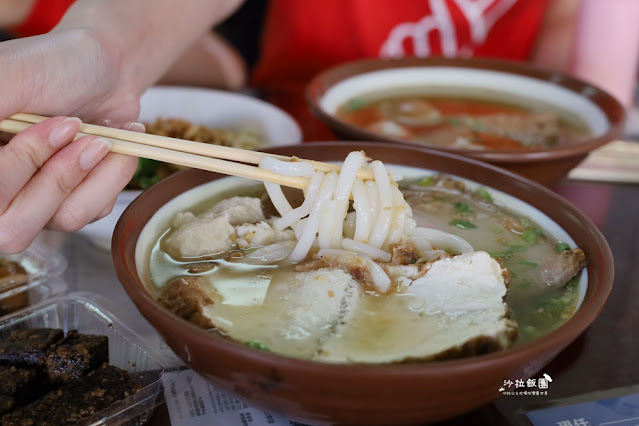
{"x": 238, "y": 210}
{"x": 194, "y": 236}
{"x": 455, "y": 309}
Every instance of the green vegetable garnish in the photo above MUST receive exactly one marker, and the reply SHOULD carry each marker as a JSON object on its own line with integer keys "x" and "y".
{"x": 257, "y": 345}
{"x": 146, "y": 174}
{"x": 476, "y": 125}
{"x": 463, "y": 207}
{"x": 524, "y": 284}
{"x": 426, "y": 181}
{"x": 356, "y": 103}
{"x": 483, "y": 192}
{"x": 561, "y": 247}
{"x": 526, "y": 263}
{"x": 531, "y": 235}
{"x": 496, "y": 229}
{"x": 454, "y": 121}
{"x": 509, "y": 252}
{"x": 462, "y": 224}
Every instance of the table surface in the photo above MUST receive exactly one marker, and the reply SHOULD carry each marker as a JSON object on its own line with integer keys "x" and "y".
{"x": 602, "y": 358}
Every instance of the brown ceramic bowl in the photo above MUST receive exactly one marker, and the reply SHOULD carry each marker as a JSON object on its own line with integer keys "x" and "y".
{"x": 319, "y": 393}
{"x": 592, "y": 106}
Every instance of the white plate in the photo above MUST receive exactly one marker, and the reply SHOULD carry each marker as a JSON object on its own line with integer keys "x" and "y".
{"x": 205, "y": 107}
{"x": 216, "y": 108}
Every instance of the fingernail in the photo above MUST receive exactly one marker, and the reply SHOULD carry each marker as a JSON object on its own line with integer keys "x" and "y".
{"x": 64, "y": 132}
{"x": 135, "y": 127}
{"x": 94, "y": 152}
{"x": 106, "y": 123}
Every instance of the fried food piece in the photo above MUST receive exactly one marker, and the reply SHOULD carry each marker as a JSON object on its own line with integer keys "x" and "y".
{"x": 12, "y": 276}
{"x": 18, "y": 383}
{"x": 80, "y": 399}
{"x": 7, "y": 403}
{"x": 187, "y": 298}
{"x": 76, "y": 355}
{"x": 29, "y": 347}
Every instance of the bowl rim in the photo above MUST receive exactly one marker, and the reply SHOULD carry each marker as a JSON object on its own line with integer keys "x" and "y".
{"x": 593, "y": 302}
{"x": 612, "y": 109}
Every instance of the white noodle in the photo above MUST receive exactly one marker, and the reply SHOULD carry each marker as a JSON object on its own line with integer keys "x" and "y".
{"x": 327, "y": 226}
{"x": 271, "y": 253}
{"x": 278, "y": 198}
{"x": 311, "y": 224}
{"x": 372, "y": 252}
{"x": 362, "y": 211}
{"x": 440, "y": 240}
{"x": 381, "y": 218}
{"x": 287, "y": 168}
{"x": 347, "y": 175}
{"x": 349, "y": 225}
{"x": 371, "y": 188}
{"x": 302, "y": 211}
{"x": 378, "y": 275}
{"x": 299, "y": 228}
{"x": 398, "y": 222}
{"x": 385, "y": 205}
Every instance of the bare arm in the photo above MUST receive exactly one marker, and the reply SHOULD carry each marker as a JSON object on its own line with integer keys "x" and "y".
{"x": 95, "y": 65}
{"x": 597, "y": 41}
{"x": 14, "y": 12}
{"x": 556, "y": 36}
{"x": 606, "y": 48}
{"x": 147, "y": 36}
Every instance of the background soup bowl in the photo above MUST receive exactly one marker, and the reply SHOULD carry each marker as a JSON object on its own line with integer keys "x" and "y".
{"x": 601, "y": 112}
{"x": 362, "y": 394}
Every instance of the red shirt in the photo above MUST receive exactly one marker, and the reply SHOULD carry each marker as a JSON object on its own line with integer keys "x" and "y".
{"x": 302, "y": 38}
{"x": 44, "y": 15}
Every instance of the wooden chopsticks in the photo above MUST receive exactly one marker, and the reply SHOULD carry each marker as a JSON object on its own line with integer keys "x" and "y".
{"x": 617, "y": 161}
{"x": 216, "y": 158}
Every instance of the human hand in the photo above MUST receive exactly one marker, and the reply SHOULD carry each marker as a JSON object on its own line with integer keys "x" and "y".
{"x": 48, "y": 180}
{"x": 94, "y": 65}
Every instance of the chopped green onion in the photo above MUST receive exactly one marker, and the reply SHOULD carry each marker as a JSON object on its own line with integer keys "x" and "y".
{"x": 462, "y": 224}
{"x": 524, "y": 284}
{"x": 146, "y": 173}
{"x": 509, "y": 252}
{"x": 574, "y": 281}
{"x": 483, "y": 192}
{"x": 426, "y": 181}
{"x": 476, "y": 125}
{"x": 356, "y": 103}
{"x": 531, "y": 235}
{"x": 257, "y": 345}
{"x": 496, "y": 229}
{"x": 526, "y": 263}
{"x": 455, "y": 121}
{"x": 463, "y": 207}
{"x": 561, "y": 247}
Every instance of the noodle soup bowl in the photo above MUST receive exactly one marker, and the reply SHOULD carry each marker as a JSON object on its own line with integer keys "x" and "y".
{"x": 324, "y": 393}
{"x": 499, "y": 82}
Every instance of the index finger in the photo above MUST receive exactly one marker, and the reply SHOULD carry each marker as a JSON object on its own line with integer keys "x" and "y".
{"x": 27, "y": 151}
